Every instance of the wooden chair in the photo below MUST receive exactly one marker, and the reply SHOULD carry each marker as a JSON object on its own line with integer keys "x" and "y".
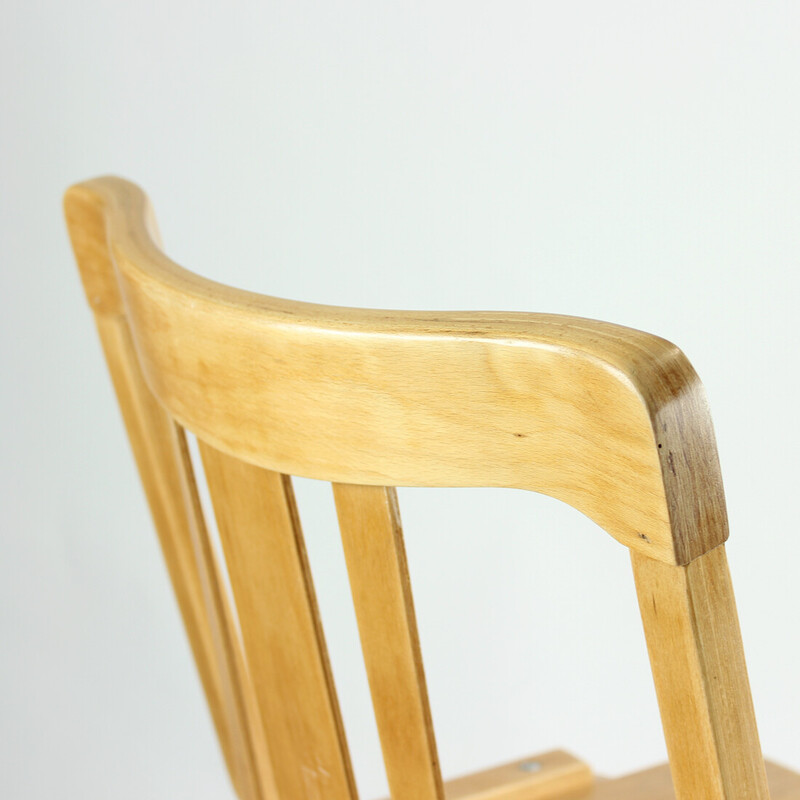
{"x": 610, "y": 420}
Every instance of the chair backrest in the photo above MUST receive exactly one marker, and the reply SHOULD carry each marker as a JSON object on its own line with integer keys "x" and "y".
{"x": 610, "y": 420}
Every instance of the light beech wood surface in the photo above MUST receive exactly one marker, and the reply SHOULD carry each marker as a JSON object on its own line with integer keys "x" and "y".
{"x": 610, "y": 420}
{"x": 698, "y": 664}
{"x": 263, "y": 543}
{"x": 656, "y": 784}
{"x": 549, "y": 776}
{"x": 376, "y": 563}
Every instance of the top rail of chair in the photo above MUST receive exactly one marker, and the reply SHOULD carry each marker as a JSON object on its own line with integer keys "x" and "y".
{"x": 133, "y": 236}
{"x": 609, "y": 419}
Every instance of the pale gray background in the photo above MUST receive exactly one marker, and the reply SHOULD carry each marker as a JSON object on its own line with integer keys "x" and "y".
{"x": 629, "y": 161}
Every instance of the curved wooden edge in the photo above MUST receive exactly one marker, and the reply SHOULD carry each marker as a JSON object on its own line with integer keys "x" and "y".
{"x": 611, "y": 420}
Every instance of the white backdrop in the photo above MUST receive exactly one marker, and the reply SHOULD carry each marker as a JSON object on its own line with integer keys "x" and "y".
{"x": 636, "y": 162}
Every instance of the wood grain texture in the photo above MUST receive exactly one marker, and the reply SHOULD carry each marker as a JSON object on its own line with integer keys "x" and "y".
{"x": 376, "y": 563}
{"x": 263, "y": 543}
{"x": 610, "y": 420}
{"x": 150, "y": 432}
{"x": 255, "y": 778}
{"x": 165, "y": 470}
{"x": 696, "y": 654}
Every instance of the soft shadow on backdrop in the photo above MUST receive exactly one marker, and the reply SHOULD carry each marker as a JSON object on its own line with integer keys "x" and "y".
{"x": 633, "y": 162}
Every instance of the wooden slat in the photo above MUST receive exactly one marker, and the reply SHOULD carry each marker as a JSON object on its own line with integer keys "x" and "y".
{"x": 284, "y": 644}
{"x": 379, "y": 580}
{"x": 165, "y": 471}
{"x": 249, "y": 753}
{"x": 696, "y": 653}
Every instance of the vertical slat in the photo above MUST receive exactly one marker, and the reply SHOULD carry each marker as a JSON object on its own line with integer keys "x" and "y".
{"x": 284, "y": 644}
{"x": 249, "y": 752}
{"x": 695, "y": 647}
{"x": 165, "y": 470}
{"x": 376, "y": 562}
